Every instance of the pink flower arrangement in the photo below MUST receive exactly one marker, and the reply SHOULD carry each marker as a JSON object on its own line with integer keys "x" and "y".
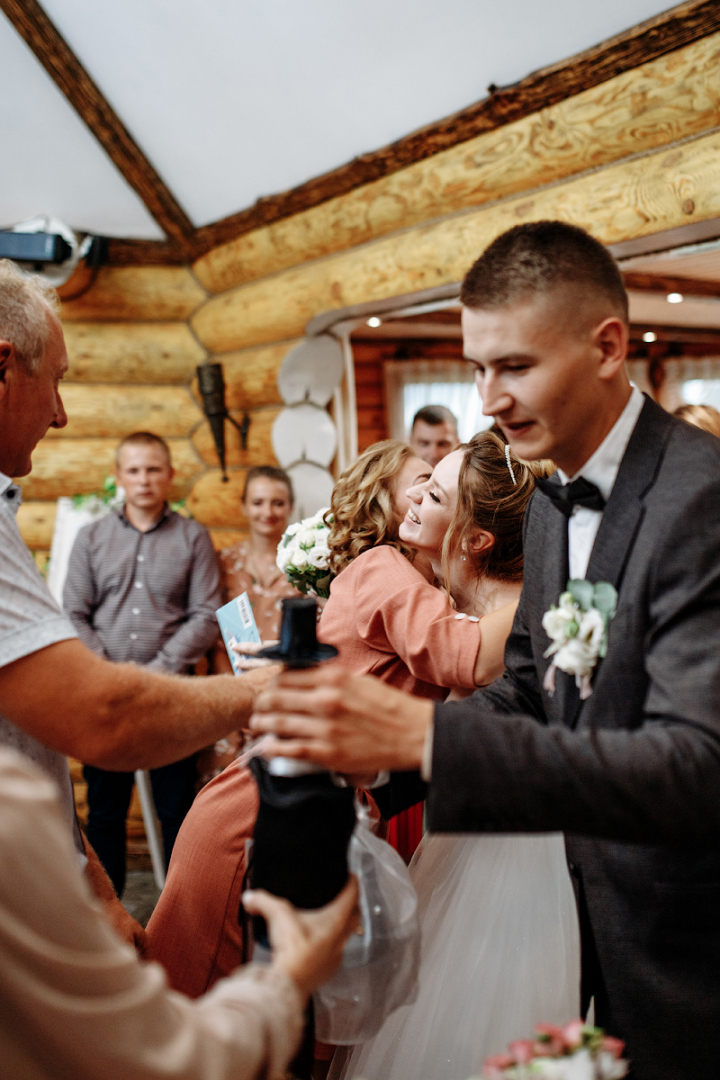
{"x": 572, "y": 1052}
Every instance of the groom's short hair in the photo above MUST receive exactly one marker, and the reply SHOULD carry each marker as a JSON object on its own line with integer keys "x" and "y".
{"x": 541, "y": 257}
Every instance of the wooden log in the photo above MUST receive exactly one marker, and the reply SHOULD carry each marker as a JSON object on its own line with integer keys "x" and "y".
{"x": 259, "y": 442}
{"x": 131, "y": 352}
{"x": 42, "y": 560}
{"x": 115, "y": 411}
{"x": 36, "y": 521}
{"x": 632, "y": 199}
{"x": 251, "y": 376}
{"x": 661, "y": 102}
{"x": 135, "y": 294}
{"x": 80, "y": 466}
{"x": 216, "y": 504}
{"x": 224, "y": 538}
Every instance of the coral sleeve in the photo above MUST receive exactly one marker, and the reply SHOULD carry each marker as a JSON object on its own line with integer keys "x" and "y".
{"x": 398, "y": 611}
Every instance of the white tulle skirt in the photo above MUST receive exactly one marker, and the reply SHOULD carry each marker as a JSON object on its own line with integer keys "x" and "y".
{"x": 500, "y": 953}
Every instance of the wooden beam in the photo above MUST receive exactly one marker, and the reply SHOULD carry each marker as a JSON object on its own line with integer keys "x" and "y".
{"x": 122, "y": 252}
{"x": 636, "y": 197}
{"x": 664, "y": 101}
{"x": 648, "y": 40}
{"x": 663, "y": 283}
{"x": 61, "y": 63}
{"x": 704, "y": 341}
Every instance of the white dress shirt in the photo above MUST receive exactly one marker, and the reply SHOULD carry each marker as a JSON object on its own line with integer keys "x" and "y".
{"x": 601, "y": 469}
{"x": 30, "y": 620}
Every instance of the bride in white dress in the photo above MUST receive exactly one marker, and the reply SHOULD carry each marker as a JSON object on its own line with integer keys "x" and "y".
{"x": 500, "y": 941}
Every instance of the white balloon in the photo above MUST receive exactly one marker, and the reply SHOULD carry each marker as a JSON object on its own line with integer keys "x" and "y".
{"x": 313, "y": 488}
{"x": 311, "y": 371}
{"x": 304, "y": 433}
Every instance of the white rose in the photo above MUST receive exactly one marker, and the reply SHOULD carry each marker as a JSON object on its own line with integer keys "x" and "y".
{"x": 282, "y": 558}
{"x": 592, "y": 629}
{"x": 555, "y": 623}
{"x": 318, "y": 556}
{"x": 299, "y": 561}
{"x": 575, "y": 657}
{"x": 292, "y": 529}
{"x": 305, "y": 538}
{"x": 550, "y": 1068}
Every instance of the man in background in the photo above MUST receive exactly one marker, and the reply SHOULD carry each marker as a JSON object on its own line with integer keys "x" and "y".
{"x": 142, "y": 587}
{"x": 434, "y": 433}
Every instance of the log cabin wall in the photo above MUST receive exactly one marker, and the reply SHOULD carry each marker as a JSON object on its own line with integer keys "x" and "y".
{"x": 132, "y": 356}
{"x": 635, "y": 155}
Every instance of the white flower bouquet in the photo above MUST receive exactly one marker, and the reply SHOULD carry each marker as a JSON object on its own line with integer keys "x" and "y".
{"x": 578, "y": 629}
{"x": 304, "y": 556}
{"x": 572, "y": 1052}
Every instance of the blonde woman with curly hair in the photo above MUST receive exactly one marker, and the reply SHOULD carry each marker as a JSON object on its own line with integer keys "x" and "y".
{"x": 384, "y": 615}
{"x": 500, "y": 943}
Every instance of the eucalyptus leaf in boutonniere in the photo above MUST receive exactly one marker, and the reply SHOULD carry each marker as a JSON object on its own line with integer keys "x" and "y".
{"x": 578, "y": 628}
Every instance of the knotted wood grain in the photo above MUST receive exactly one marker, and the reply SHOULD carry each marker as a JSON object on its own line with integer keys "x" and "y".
{"x": 635, "y": 198}
{"x": 164, "y": 352}
{"x": 116, "y": 411}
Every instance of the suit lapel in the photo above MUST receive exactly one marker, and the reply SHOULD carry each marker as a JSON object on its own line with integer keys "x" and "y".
{"x": 623, "y": 515}
{"x": 624, "y": 510}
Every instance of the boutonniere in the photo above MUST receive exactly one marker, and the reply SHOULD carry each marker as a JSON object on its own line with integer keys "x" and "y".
{"x": 578, "y": 627}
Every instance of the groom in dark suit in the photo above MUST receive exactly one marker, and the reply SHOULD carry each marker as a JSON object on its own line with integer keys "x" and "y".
{"x": 630, "y": 773}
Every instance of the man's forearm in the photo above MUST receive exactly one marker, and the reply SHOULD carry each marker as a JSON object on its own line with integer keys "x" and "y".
{"x": 658, "y": 783}
{"x": 119, "y": 716}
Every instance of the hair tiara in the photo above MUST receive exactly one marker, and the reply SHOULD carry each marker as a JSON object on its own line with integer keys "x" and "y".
{"x": 510, "y": 468}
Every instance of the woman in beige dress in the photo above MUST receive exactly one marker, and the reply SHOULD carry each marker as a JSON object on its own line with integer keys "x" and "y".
{"x": 249, "y": 566}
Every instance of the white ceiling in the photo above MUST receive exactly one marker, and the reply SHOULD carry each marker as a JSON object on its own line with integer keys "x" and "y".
{"x": 234, "y": 99}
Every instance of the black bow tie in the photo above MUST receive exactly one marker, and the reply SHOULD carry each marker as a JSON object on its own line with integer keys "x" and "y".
{"x": 580, "y": 492}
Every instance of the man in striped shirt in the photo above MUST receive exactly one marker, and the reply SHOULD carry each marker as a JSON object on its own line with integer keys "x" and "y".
{"x": 142, "y": 587}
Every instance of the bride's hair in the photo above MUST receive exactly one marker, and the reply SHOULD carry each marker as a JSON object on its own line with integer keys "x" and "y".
{"x": 494, "y": 499}
{"x": 363, "y": 504}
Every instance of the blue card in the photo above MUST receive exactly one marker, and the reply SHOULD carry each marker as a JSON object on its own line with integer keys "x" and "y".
{"x": 237, "y": 624}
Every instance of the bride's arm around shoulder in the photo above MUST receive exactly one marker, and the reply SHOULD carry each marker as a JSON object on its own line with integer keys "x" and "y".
{"x": 494, "y": 631}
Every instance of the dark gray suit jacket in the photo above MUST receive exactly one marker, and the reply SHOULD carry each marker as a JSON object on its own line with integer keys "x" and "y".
{"x": 632, "y": 775}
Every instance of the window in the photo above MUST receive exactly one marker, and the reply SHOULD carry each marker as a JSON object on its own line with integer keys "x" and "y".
{"x": 411, "y": 384}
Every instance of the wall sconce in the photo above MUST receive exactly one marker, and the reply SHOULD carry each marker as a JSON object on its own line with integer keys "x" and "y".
{"x": 212, "y": 391}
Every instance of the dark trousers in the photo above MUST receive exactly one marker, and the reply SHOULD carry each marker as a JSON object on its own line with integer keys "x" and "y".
{"x": 109, "y": 793}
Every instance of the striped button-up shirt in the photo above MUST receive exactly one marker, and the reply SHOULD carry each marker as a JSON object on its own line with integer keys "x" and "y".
{"x": 144, "y": 597}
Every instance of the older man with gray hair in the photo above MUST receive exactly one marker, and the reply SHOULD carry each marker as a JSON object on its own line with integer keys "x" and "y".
{"x": 73, "y": 999}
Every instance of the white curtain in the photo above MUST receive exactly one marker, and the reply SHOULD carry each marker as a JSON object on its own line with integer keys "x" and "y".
{"x": 411, "y": 384}
{"x": 691, "y": 382}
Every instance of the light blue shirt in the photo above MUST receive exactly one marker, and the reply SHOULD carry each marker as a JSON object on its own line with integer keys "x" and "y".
{"x": 30, "y": 620}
